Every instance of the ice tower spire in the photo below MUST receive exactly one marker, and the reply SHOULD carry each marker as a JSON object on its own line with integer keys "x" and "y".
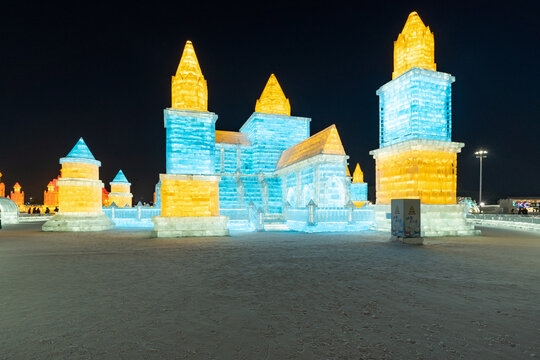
{"x": 358, "y": 175}
{"x": 189, "y": 90}
{"x": 273, "y": 100}
{"x": 414, "y": 47}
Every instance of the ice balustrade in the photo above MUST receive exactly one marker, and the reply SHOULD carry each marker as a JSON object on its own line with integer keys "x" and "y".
{"x": 138, "y": 216}
{"x": 315, "y": 219}
{"x": 530, "y": 223}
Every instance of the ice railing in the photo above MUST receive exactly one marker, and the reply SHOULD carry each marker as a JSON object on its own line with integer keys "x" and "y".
{"x": 139, "y": 216}
{"x": 312, "y": 214}
{"x": 508, "y": 221}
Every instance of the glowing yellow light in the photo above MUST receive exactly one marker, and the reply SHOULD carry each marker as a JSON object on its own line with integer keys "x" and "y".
{"x": 17, "y": 196}
{"x": 79, "y": 170}
{"x": 414, "y": 47}
{"x": 79, "y": 188}
{"x": 273, "y": 100}
{"x": 50, "y": 197}
{"x": 189, "y": 195}
{"x": 358, "y": 175}
{"x": 79, "y": 196}
{"x": 189, "y": 90}
{"x": 417, "y": 174}
{"x": 326, "y": 141}
{"x": 121, "y": 195}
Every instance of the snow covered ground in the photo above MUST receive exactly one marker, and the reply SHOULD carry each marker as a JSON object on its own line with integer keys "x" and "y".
{"x": 121, "y": 295}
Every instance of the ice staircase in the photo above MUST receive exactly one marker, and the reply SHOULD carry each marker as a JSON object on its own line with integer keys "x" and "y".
{"x": 275, "y": 222}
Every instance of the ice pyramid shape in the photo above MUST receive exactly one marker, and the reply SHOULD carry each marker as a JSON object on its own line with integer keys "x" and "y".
{"x": 120, "y": 178}
{"x": 81, "y": 150}
{"x": 80, "y": 153}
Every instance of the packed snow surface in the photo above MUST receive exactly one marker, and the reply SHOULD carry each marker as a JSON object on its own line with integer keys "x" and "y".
{"x": 121, "y": 295}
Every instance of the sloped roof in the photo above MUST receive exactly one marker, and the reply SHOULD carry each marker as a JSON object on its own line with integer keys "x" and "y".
{"x": 232, "y": 137}
{"x": 80, "y": 150}
{"x": 326, "y": 141}
{"x": 120, "y": 178}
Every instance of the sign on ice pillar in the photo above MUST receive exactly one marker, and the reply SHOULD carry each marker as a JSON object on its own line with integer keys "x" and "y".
{"x": 406, "y": 224}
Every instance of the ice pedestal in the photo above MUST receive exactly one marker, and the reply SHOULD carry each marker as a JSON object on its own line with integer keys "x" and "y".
{"x": 189, "y": 207}
{"x": 78, "y": 222}
{"x": 437, "y": 220}
{"x": 189, "y": 226}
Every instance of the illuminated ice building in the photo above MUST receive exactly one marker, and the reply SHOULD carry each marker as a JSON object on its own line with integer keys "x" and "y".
{"x": 120, "y": 191}
{"x": 79, "y": 194}
{"x": 417, "y": 158}
{"x": 271, "y": 175}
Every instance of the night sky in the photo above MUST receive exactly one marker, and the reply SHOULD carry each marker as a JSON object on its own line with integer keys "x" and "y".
{"x": 104, "y": 73}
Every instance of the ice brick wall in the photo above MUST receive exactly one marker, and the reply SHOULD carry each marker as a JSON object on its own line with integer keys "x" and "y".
{"x": 358, "y": 192}
{"x": 333, "y": 185}
{"x": 416, "y": 105}
{"x": 190, "y": 144}
{"x": 270, "y": 135}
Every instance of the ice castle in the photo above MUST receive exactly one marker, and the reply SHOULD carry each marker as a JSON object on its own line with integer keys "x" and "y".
{"x": 272, "y": 174}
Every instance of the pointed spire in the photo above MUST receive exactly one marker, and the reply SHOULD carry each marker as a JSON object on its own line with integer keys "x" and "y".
{"x": 414, "y": 47}
{"x": 358, "y": 175}
{"x": 348, "y": 171}
{"x": 120, "y": 178}
{"x": 80, "y": 150}
{"x": 17, "y": 187}
{"x": 189, "y": 90}
{"x": 273, "y": 100}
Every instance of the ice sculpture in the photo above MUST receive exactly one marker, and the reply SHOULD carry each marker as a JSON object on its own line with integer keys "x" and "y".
{"x": 189, "y": 90}
{"x": 189, "y": 189}
{"x": 120, "y": 191}
{"x": 273, "y": 100}
{"x": 315, "y": 170}
{"x": 50, "y": 196}
{"x": 358, "y": 187}
{"x": 414, "y": 47}
{"x": 17, "y": 196}
{"x": 416, "y": 158}
{"x": 79, "y": 194}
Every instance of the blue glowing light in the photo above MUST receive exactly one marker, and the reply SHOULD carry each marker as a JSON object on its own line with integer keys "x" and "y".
{"x": 416, "y": 105}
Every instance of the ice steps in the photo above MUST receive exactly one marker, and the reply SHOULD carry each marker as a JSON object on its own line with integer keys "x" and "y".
{"x": 275, "y": 222}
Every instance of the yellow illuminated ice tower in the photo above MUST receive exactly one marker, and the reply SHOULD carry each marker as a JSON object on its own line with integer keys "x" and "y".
{"x": 79, "y": 194}
{"x": 414, "y": 47}
{"x": 416, "y": 158}
{"x": 273, "y": 100}
{"x": 189, "y": 189}
{"x": 120, "y": 191}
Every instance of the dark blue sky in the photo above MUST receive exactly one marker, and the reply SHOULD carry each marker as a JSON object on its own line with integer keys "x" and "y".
{"x": 103, "y": 72}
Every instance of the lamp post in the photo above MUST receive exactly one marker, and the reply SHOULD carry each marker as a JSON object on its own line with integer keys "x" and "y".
{"x": 480, "y": 154}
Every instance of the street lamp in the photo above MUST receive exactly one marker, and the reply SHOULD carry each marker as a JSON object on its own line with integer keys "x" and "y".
{"x": 480, "y": 154}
